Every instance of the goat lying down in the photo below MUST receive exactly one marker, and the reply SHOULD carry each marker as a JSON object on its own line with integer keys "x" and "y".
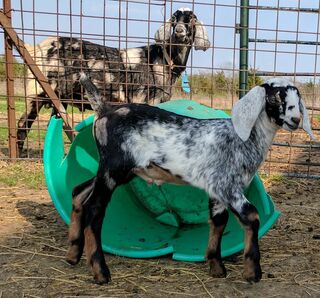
{"x": 140, "y": 75}
{"x": 220, "y": 156}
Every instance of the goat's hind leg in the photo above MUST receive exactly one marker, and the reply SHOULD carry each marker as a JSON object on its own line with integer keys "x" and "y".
{"x": 218, "y": 218}
{"x": 94, "y": 215}
{"x": 80, "y": 195}
{"x": 249, "y": 218}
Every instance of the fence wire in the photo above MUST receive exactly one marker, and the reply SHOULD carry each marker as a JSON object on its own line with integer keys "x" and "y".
{"x": 282, "y": 39}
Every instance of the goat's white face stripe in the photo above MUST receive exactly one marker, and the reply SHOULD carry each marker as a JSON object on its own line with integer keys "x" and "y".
{"x": 183, "y": 9}
{"x": 292, "y": 109}
{"x": 292, "y": 104}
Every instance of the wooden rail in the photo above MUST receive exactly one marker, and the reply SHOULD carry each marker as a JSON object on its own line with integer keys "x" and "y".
{"x": 12, "y": 128}
{"x": 42, "y": 80}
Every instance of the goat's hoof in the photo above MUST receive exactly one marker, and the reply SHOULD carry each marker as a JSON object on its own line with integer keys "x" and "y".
{"x": 101, "y": 273}
{"x": 253, "y": 273}
{"x": 21, "y": 153}
{"x": 102, "y": 278}
{"x": 73, "y": 256}
{"x": 217, "y": 269}
{"x": 72, "y": 261}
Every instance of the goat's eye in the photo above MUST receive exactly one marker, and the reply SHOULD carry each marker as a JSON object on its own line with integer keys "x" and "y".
{"x": 291, "y": 108}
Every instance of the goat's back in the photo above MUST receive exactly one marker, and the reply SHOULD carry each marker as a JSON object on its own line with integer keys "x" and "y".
{"x": 120, "y": 75}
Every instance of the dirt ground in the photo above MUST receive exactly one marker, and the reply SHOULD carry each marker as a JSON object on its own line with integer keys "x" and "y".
{"x": 33, "y": 241}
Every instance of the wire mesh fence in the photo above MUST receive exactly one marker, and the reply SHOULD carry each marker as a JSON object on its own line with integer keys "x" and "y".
{"x": 249, "y": 41}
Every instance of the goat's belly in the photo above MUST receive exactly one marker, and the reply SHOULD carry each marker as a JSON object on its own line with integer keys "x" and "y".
{"x": 157, "y": 175}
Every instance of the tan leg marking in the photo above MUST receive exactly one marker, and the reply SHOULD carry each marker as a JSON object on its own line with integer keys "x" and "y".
{"x": 158, "y": 175}
{"x": 250, "y": 266}
{"x": 216, "y": 266}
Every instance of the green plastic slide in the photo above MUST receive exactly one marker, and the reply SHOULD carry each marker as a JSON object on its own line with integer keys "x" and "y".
{"x": 145, "y": 220}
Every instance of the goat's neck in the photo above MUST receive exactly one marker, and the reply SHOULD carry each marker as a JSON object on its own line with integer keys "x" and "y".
{"x": 266, "y": 130}
{"x": 179, "y": 56}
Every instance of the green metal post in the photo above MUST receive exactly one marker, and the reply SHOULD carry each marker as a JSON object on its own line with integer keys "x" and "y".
{"x": 244, "y": 45}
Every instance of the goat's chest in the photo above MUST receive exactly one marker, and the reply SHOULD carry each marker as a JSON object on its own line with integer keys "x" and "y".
{"x": 161, "y": 74}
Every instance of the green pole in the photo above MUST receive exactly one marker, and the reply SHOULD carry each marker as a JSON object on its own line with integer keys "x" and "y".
{"x": 244, "y": 45}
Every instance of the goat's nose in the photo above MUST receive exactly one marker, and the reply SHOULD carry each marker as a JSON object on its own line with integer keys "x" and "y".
{"x": 179, "y": 29}
{"x": 295, "y": 120}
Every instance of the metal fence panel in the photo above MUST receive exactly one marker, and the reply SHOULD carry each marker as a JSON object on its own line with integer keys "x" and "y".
{"x": 250, "y": 41}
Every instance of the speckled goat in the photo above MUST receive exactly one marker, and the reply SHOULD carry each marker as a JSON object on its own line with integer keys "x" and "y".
{"x": 140, "y": 75}
{"x": 220, "y": 156}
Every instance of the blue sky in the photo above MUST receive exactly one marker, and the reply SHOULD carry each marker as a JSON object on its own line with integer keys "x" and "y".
{"x": 220, "y": 20}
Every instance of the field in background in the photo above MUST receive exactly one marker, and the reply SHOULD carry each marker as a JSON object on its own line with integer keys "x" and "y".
{"x": 218, "y": 90}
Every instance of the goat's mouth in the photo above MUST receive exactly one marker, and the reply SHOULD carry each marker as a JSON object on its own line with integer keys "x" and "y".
{"x": 291, "y": 126}
{"x": 181, "y": 37}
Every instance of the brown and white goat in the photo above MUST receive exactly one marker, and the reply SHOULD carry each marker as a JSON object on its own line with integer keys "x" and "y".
{"x": 135, "y": 75}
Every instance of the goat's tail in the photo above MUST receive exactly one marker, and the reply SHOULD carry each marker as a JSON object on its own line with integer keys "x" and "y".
{"x": 93, "y": 92}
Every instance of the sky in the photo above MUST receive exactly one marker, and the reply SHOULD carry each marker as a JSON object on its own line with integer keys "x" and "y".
{"x": 100, "y": 23}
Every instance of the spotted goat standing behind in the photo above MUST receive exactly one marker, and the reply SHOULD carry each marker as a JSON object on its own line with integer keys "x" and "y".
{"x": 220, "y": 156}
{"x": 140, "y": 75}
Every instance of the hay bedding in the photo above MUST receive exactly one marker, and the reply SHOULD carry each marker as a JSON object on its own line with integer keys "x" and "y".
{"x": 33, "y": 244}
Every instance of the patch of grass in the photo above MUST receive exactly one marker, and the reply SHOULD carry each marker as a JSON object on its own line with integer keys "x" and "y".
{"x": 3, "y": 136}
{"x": 273, "y": 178}
{"x": 22, "y": 173}
{"x": 20, "y": 108}
{"x": 19, "y": 105}
{"x": 34, "y": 136}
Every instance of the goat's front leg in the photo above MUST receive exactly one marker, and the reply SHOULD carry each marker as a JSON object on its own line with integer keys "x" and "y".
{"x": 249, "y": 218}
{"x": 25, "y": 122}
{"x": 218, "y": 218}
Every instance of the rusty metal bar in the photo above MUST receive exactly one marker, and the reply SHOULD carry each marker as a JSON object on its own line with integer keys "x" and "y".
{"x": 301, "y": 175}
{"x": 294, "y": 175}
{"x": 286, "y": 144}
{"x": 12, "y": 131}
{"x": 19, "y": 44}
{"x": 286, "y": 74}
{"x": 295, "y": 163}
{"x": 292, "y": 9}
{"x": 295, "y": 42}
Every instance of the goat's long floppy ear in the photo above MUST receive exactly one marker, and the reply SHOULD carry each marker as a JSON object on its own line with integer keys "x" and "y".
{"x": 306, "y": 122}
{"x": 246, "y": 111}
{"x": 201, "y": 41}
{"x": 163, "y": 33}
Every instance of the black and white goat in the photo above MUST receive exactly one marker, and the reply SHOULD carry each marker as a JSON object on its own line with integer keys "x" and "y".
{"x": 220, "y": 156}
{"x": 140, "y": 75}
